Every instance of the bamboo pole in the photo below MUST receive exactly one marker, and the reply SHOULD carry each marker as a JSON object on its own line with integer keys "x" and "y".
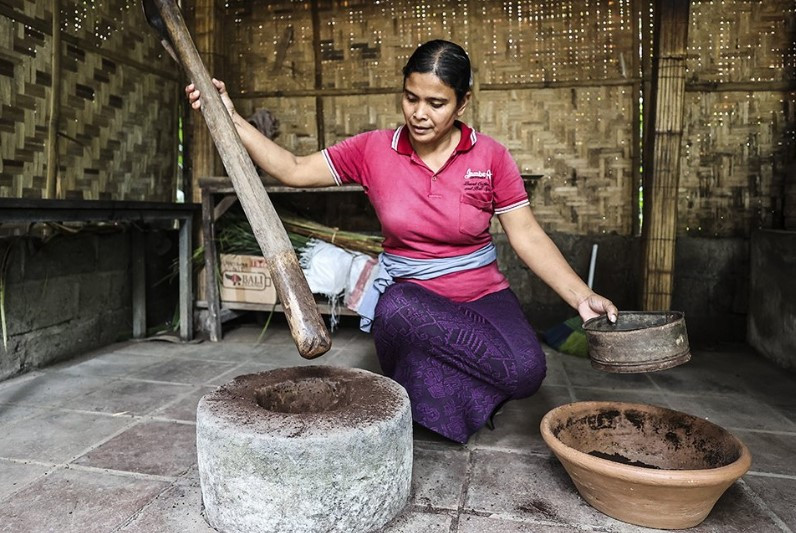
{"x": 55, "y": 105}
{"x": 662, "y": 156}
{"x": 204, "y": 160}
{"x": 636, "y": 69}
{"x": 475, "y": 62}
{"x": 318, "y": 77}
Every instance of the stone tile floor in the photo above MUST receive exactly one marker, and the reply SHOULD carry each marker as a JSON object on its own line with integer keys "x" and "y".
{"x": 105, "y": 442}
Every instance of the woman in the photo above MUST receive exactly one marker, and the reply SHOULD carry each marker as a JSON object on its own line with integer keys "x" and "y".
{"x": 446, "y": 324}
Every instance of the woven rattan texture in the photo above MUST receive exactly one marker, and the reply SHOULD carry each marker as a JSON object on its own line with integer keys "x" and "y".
{"x": 742, "y": 40}
{"x": 117, "y": 135}
{"x": 738, "y": 162}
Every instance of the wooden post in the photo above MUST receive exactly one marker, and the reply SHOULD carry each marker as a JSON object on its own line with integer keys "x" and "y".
{"x": 211, "y": 265}
{"x": 475, "y": 62}
{"x": 205, "y": 160}
{"x": 316, "y": 46}
{"x": 138, "y": 269}
{"x": 636, "y": 71}
{"x": 662, "y": 155}
{"x": 55, "y": 104}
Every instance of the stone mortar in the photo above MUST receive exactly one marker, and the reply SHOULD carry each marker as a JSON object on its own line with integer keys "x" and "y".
{"x": 307, "y": 449}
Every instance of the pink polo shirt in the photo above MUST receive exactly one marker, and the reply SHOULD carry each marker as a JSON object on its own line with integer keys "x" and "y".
{"x": 427, "y": 215}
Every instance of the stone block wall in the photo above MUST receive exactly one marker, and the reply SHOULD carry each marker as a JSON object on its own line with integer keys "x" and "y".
{"x": 72, "y": 294}
{"x": 772, "y": 296}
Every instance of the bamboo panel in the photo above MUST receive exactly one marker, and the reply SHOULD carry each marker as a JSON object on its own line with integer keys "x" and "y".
{"x": 119, "y": 132}
{"x": 366, "y": 44}
{"x": 116, "y": 26}
{"x": 552, "y": 40}
{"x": 580, "y": 142}
{"x": 115, "y": 140}
{"x": 24, "y": 87}
{"x": 269, "y": 45}
{"x": 348, "y": 115}
{"x": 296, "y": 116}
{"x": 742, "y": 40}
{"x": 738, "y": 162}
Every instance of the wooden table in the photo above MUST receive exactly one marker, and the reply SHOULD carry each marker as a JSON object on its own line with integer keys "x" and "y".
{"x": 212, "y": 210}
{"x": 24, "y": 210}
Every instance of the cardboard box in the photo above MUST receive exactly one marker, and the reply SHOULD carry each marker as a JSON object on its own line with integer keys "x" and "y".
{"x": 244, "y": 279}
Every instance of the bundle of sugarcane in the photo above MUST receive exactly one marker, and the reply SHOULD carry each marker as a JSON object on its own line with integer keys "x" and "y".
{"x": 234, "y": 236}
{"x": 349, "y": 240}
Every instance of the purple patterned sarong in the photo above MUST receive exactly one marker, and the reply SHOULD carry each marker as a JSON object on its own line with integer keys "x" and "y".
{"x": 457, "y": 361}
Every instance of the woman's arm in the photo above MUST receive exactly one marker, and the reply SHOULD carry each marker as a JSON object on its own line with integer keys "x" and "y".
{"x": 540, "y": 253}
{"x": 292, "y": 170}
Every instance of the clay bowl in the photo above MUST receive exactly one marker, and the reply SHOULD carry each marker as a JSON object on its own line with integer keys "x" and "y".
{"x": 644, "y": 464}
{"x": 639, "y": 341}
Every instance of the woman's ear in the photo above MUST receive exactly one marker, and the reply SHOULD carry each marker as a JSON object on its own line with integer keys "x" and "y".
{"x": 463, "y": 104}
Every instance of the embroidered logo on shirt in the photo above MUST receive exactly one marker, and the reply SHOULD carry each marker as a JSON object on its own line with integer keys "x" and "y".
{"x": 483, "y": 174}
{"x": 477, "y": 180}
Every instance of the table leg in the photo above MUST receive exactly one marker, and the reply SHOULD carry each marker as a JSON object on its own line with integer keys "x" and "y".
{"x": 138, "y": 250}
{"x": 211, "y": 286}
{"x": 186, "y": 279}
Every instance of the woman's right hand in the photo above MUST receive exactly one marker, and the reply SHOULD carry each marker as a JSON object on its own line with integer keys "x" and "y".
{"x": 195, "y": 98}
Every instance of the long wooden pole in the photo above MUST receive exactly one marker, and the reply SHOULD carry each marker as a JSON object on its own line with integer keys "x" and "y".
{"x": 55, "y": 104}
{"x": 662, "y": 155}
{"x": 306, "y": 325}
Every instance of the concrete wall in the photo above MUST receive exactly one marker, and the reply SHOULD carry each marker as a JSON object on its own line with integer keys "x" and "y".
{"x": 772, "y": 296}
{"x": 711, "y": 281}
{"x": 72, "y": 294}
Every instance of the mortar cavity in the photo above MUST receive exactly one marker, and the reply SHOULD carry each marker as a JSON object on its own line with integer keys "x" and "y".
{"x": 311, "y": 395}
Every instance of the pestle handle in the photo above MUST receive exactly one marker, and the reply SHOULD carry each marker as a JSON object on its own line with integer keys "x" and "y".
{"x": 306, "y": 325}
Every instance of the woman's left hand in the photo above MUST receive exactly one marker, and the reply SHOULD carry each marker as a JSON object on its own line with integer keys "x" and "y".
{"x": 596, "y": 305}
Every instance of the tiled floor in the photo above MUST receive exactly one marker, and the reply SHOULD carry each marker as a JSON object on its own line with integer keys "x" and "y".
{"x": 106, "y": 442}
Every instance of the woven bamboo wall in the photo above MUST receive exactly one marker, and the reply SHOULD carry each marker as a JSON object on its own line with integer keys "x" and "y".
{"x": 738, "y": 166}
{"x": 118, "y": 97}
{"x": 586, "y": 162}
{"x": 296, "y": 120}
{"x": 580, "y": 142}
{"x": 269, "y": 45}
{"x": 556, "y": 81}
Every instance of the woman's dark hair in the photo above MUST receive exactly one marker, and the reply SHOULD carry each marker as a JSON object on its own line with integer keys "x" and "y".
{"x": 446, "y": 60}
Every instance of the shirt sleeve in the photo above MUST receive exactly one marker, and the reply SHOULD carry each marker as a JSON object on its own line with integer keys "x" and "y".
{"x": 508, "y": 188}
{"x": 346, "y": 159}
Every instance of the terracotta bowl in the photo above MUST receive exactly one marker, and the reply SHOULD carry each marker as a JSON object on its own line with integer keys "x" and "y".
{"x": 644, "y": 464}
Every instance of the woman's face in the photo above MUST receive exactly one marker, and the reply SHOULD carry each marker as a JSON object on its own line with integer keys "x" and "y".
{"x": 430, "y": 108}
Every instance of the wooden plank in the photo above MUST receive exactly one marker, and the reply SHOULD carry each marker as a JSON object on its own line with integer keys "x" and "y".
{"x": 223, "y": 185}
{"x": 323, "y": 307}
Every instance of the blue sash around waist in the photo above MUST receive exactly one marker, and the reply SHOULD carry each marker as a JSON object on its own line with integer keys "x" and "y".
{"x": 393, "y": 266}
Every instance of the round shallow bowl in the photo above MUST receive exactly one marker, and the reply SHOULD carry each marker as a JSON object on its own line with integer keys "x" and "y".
{"x": 644, "y": 464}
{"x": 639, "y": 341}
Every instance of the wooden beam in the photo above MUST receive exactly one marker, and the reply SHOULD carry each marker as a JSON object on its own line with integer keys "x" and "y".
{"x": 54, "y": 110}
{"x": 482, "y": 87}
{"x": 636, "y": 70}
{"x": 475, "y": 62}
{"x": 741, "y": 86}
{"x": 204, "y": 158}
{"x": 662, "y": 156}
{"x": 316, "y": 47}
